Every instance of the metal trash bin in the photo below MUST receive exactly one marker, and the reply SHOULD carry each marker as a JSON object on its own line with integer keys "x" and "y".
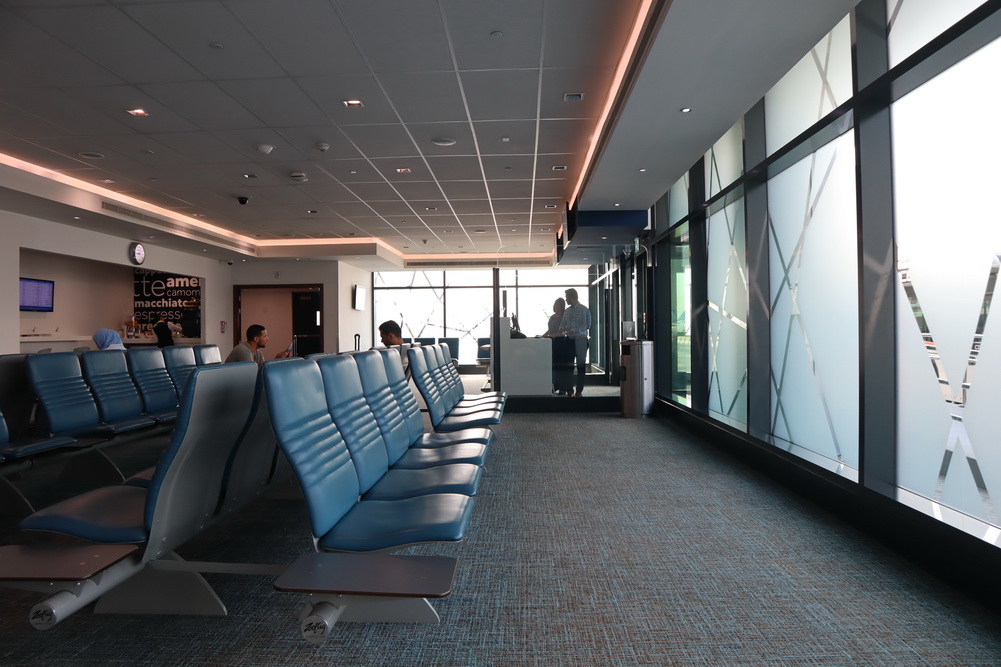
{"x": 636, "y": 373}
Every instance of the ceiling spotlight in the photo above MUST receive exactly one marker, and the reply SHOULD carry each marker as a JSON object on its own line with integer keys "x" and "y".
{"x": 149, "y": 151}
{"x": 311, "y": 211}
{"x": 685, "y": 110}
{"x": 559, "y": 167}
{"x": 298, "y": 176}
{"x": 353, "y": 171}
{"x": 550, "y": 205}
{"x": 505, "y": 139}
{"x": 250, "y": 175}
{"x": 642, "y": 169}
{"x": 265, "y": 148}
{"x": 403, "y": 170}
{"x": 496, "y": 33}
{"x": 323, "y": 147}
{"x": 106, "y": 180}
{"x": 430, "y": 208}
{"x": 443, "y": 141}
{"x": 617, "y": 204}
{"x": 91, "y": 155}
{"x": 138, "y": 113}
{"x": 353, "y": 104}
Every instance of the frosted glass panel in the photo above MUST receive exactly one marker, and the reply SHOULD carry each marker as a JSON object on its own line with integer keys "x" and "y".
{"x": 948, "y": 337}
{"x": 914, "y": 23}
{"x": 726, "y": 285}
{"x": 818, "y": 84}
{"x": 725, "y": 160}
{"x": 814, "y": 303}
{"x": 677, "y": 205}
{"x": 681, "y": 316}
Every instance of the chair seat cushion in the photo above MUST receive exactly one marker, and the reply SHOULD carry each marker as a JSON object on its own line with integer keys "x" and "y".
{"x": 19, "y": 450}
{"x": 424, "y": 457}
{"x": 373, "y": 525}
{"x": 458, "y": 422}
{"x": 483, "y": 435}
{"x": 109, "y": 515}
{"x": 399, "y": 483}
{"x": 462, "y": 409}
{"x": 165, "y": 417}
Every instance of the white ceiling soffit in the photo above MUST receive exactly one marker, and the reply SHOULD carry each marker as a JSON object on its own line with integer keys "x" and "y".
{"x": 716, "y": 57}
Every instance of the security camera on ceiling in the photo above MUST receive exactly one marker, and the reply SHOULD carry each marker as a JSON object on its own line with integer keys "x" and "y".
{"x": 243, "y": 200}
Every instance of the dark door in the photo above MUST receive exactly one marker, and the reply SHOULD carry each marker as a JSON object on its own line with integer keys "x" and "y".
{"x": 307, "y": 320}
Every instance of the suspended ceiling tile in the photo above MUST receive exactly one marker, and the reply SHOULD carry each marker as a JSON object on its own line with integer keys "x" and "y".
{"x": 329, "y": 93}
{"x": 425, "y": 96}
{"x": 203, "y": 104}
{"x": 381, "y": 140}
{"x": 413, "y": 41}
{"x": 472, "y": 27}
{"x": 277, "y": 102}
{"x": 501, "y": 94}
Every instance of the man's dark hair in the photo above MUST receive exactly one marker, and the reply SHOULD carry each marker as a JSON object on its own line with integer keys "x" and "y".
{"x": 391, "y": 327}
{"x": 253, "y": 331}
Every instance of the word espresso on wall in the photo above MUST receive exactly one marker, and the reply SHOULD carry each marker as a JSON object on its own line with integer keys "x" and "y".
{"x": 176, "y": 298}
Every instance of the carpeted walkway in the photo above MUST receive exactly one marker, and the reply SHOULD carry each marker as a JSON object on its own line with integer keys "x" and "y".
{"x": 596, "y": 541}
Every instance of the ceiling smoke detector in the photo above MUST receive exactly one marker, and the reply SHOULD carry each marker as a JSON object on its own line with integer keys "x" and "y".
{"x": 443, "y": 141}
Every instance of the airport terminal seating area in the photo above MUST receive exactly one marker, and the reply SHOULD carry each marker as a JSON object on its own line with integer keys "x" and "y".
{"x": 339, "y": 427}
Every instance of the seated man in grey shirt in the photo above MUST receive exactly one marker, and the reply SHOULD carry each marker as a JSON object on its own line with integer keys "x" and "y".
{"x": 252, "y": 349}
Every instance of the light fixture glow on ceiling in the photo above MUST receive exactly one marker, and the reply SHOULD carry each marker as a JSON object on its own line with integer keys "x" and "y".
{"x": 353, "y": 104}
{"x": 403, "y": 170}
{"x": 686, "y": 110}
{"x": 138, "y": 113}
{"x": 550, "y": 205}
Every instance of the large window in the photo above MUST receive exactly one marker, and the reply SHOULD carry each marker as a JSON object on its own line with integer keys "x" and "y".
{"x": 681, "y": 315}
{"x": 945, "y": 143}
{"x": 459, "y": 304}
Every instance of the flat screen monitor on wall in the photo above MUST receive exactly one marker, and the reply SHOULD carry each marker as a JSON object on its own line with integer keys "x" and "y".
{"x": 358, "y": 301}
{"x": 37, "y": 295}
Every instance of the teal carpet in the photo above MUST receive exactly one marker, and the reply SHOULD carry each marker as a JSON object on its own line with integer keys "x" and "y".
{"x": 596, "y": 540}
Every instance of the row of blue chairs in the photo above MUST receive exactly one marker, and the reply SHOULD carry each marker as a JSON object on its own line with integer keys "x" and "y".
{"x": 222, "y": 453}
{"x": 440, "y": 385}
{"x": 96, "y": 395}
{"x": 353, "y": 434}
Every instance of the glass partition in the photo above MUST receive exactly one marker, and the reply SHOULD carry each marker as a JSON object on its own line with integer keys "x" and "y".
{"x": 681, "y": 315}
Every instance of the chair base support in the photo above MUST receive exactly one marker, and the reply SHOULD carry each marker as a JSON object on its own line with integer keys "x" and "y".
{"x": 322, "y": 612}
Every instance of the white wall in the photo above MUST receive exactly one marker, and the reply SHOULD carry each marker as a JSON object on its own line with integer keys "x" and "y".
{"x": 351, "y": 321}
{"x": 340, "y": 322}
{"x": 25, "y": 232}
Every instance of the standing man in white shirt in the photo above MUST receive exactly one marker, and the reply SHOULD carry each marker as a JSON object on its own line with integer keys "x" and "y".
{"x": 576, "y": 324}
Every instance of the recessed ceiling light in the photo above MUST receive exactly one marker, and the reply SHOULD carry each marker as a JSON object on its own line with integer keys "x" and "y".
{"x": 505, "y": 139}
{"x": 546, "y": 229}
{"x": 686, "y": 110}
{"x": 617, "y": 204}
{"x": 265, "y": 148}
{"x": 353, "y": 171}
{"x": 139, "y": 113}
{"x": 449, "y": 231}
{"x": 642, "y": 169}
{"x": 250, "y": 175}
{"x": 550, "y": 205}
{"x": 430, "y": 208}
{"x": 479, "y": 231}
{"x": 403, "y": 170}
{"x": 149, "y": 151}
{"x": 573, "y": 97}
{"x": 496, "y": 33}
{"x": 604, "y": 238}
{"x": 217, "y": 45}
{"x": 107, "y": 180}
{"x": 76, "y": 217}
{"x": 311, "y": 210}
{"x": 559, "y": 167}
{"x": 151, "y": 236}
{"x": 91, "y": 155}
{"x": 443, "y": 141}
{"x": 353, "y": 104}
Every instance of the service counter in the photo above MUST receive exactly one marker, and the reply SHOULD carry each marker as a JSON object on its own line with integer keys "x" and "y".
{"x": 526, "y": 363}
{"x": 32, "y": 343}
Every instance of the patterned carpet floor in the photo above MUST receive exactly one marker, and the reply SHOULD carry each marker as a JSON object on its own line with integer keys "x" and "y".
{"x": 596, "y": 540}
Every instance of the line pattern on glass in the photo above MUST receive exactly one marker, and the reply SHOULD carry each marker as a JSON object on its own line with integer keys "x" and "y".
{"x": 956, "y": 402}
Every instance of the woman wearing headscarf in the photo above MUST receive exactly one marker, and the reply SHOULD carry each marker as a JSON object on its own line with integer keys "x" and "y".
{"x": 107, "y": 339}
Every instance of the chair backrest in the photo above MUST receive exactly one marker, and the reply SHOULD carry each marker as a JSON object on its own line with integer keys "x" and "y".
{"x": 4, "y": 433}
{"x": 421, "y": 375}
{"x": 207, "y": 354}
{"x": 252, "y": 463}
{"x": 180, "y": 362}
{"x": 380, "y": 398}
{"x": 184, "y": 491}
{"x": 441, "y": 371}
{"x": 311, "y": 442}
{"x": 452, "y": 343}
{"x": 400, "y": 387}
{"x": 149, "y": 372}
{"x": 354, "y": 418}
{"x": 64, "y": 396}
{"x": 107, "y": 373}
{"x": 482, "y": 349}
{"x": 17, "y": 397}
{"x": 424, "y": 341}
